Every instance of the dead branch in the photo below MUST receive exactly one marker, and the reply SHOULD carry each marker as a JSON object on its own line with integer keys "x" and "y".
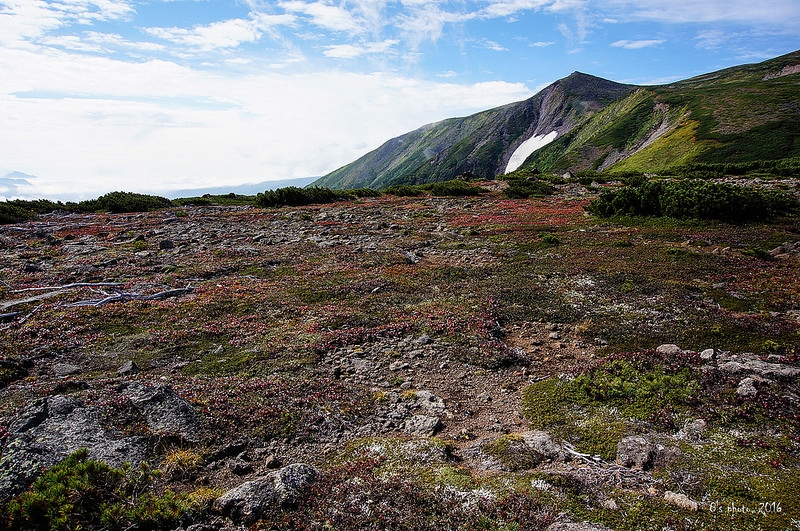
{"x": 22, "y": 321}
{"x": 71, "y": 286}
{"x": 125, "y": 297}
{"x": 11, "y": 315}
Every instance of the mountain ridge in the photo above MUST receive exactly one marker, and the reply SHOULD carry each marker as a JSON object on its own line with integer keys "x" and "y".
{"x": 737, "y": 114}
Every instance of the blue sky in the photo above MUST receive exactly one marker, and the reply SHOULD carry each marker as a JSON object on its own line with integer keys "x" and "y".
{"x": 157, "y": 95}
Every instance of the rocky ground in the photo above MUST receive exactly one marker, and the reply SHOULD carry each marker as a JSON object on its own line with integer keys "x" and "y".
{"x": 502, "y": 364}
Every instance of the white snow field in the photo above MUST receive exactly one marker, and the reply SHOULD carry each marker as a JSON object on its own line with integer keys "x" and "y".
{"x": 527, "y": 148}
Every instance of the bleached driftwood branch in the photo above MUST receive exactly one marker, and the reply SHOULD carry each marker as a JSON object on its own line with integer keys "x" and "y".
{"x": 125, "y": 297}
{"x": 71, "y": 286}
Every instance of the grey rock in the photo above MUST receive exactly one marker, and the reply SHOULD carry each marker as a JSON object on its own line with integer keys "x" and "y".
{"x": 751, "y": 364}
{"x": 635, "y": 452}
{"x": 129, "y": 367}
{"x": 669, "y": 349}
{"x": 429, "y": 401}
{"x": 398, "y": 365}
{"x": 422, "y": 425}
{"x": 747, "y": 388}
{"x": 52, "y": 428}
{"x": 164, "y": 410}
{"x": 424, "y": 339}
{"x": 60, "y": 370}
{"x": 708, "y": 354}
{"x": 249, "y": 501}
{"x": 541, "y": 443}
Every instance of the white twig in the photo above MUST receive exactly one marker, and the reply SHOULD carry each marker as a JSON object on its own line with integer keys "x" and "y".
{"x": 70, "y": 286}
{"x": 125, "y": 297}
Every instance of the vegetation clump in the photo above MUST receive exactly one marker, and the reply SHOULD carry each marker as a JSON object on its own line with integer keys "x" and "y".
{"x": 81, "y": 493}
{"x": 294, "y": 196}
{"x": 693, "y": 199}
{"x": 453, "y": 188}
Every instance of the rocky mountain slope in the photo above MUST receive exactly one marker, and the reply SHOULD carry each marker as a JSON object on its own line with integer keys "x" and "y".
{"x": 481, "y": 144}
{"x": 400, "y": 363}
{"x": 737, "y": 115}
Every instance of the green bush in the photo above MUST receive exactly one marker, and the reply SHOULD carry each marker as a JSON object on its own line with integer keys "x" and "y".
{"x": 525, "y": 189}
{"x": 120, "y": 202}
{"x": 693, "y": 199}
{"x": 454, "y": 187}
{"x": 294, "y": 196}
{"x": 12, "y": 212}
{"x": 80, "y": 493}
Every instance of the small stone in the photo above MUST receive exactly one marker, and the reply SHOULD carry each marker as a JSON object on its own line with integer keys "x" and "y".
{"x": 166, "y": 244}
{"x": 422, "y": 425}
{"x": 424, "y": 339}
{"x": 129, "y": 367}
{"x": 708, "y": 354}
{"x": 272, "y": 462}
{"x": 747, "y": 388}
{"x": 635, "y": 452}
{"x": 484, "y": 397}
{"x": 680, "y": 500}
{"x": 398, "y": 366}
{"x": 65, "y": 369}
{"x": 669, "y": 349}
{"x": 554, "y": 335}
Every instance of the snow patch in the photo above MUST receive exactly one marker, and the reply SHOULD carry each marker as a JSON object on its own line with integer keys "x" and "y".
{"x": 527, "y": 148}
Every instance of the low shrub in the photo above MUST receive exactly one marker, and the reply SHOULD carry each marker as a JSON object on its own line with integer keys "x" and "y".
{"x": 11, "y": 212}
{"x": 693, "y": 199}
{"x": 80, "y": 493}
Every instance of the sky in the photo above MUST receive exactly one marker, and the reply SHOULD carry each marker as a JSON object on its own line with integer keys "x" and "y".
{"x": 157, "y": 95}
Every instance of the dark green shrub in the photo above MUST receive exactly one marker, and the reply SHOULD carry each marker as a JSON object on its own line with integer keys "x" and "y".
{"x": 693, "y": 199}
{"x": 80, "y": 493}
{"x": 120, "y": 202}
{"x": 525, "y": 189}
{"x": 294, "y": 196}
{"x": 456, "y": 187}
{"x": 405, "y": 190}
{"x": 15, "y": 213}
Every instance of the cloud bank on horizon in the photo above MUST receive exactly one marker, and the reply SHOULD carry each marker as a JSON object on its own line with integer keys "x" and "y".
{"x": 158, "y": 95}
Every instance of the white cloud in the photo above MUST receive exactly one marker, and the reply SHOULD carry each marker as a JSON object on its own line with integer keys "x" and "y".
{"x": 542, "y": 44}
{"x": 325, "y": 15}
{"x": 494, "y": 46}
{"x": 779, "y": 13}
{"x": 22, "y": 20}
{"x": 95, "y": 124}
{"x": 225, "y": 34}
{"x": 349, "y": 51}
{"x": 635, "y": 45}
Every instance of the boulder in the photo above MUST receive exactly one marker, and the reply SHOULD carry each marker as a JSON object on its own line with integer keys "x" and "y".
{"x": 164, "y": 411}
{"x": 49, "y": 430}
{"x": 669, "y": 349}
{"x": 747, "y": 388}
{"x": 541, "y": 443}
{"x": 248, "y": 502}
{"x": 635, "y": 452}
{"x": 422, "y": 425}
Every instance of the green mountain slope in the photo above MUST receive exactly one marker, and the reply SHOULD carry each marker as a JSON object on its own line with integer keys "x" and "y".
{"x": 480, "y": 144}
{"x": 740, "y": 114}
